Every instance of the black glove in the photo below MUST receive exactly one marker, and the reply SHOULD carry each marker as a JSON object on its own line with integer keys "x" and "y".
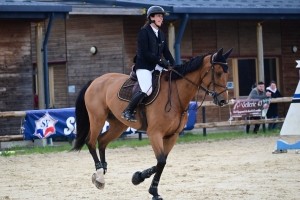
{"x": 163, "y": 63}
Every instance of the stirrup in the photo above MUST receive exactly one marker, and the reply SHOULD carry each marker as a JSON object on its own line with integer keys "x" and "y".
{"x": 128, "y": 116}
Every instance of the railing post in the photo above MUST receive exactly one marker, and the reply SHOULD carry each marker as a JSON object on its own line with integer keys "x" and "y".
{"x": 203, "y": 120}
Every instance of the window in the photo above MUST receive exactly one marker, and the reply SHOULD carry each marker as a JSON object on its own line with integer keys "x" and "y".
{"x": 246, "y": 75}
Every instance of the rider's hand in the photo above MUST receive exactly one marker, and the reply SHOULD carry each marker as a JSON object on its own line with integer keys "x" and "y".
{"x": 163, "y": 63}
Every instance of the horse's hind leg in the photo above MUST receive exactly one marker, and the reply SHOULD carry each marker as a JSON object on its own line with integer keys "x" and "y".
{"x": 116, "y": 128}
{"x": 96, "y": 125}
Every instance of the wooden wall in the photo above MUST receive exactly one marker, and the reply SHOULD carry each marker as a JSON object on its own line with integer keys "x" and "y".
{"x": 290, "y": 35}
{"x": 15, "y": 72}
{"x": 83, "y": 32}
{"x": 131, "y": 28}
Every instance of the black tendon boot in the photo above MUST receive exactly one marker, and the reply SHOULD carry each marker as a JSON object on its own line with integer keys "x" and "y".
{"x": 128, "y": 113}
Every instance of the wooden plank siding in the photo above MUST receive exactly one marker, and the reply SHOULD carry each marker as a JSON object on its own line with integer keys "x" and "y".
{"x": 15, "y": 72}
{"x": 131, "y": 28}
{"x": 83, "y": 32}
{"x": 290, "y": 35}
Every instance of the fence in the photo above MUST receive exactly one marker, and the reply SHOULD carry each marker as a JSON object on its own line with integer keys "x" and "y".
{"x": 203, "y": 125}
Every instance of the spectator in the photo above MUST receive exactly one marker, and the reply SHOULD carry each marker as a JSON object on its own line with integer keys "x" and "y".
{"x": 257, "y": 93}
{"x": 272, "y": 111}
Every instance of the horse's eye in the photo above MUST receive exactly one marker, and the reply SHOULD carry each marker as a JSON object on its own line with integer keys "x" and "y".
{"x": 218, "y": 74}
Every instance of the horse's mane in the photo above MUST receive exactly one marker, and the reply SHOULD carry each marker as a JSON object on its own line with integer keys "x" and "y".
{"x": 187, "y": 67}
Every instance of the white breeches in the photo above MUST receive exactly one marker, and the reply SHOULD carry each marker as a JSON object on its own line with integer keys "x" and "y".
{"x": 145, "y": 80}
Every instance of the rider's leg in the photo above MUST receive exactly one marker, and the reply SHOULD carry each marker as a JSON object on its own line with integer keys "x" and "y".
{"x": 145, "y": 82}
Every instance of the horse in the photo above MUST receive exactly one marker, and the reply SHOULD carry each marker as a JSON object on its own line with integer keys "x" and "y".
{"x": 166, "y": 116}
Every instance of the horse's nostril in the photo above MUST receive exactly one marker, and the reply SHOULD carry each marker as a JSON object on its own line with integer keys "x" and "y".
{"x": 222, "y": 102}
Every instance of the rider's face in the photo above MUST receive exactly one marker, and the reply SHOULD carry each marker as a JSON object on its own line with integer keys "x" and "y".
{"x": 158, "y": 18}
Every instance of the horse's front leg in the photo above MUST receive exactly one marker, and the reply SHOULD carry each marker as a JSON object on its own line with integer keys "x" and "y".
{"x": 161, "y": 162}
{"x": 139, "y": 177}
{"x": 158, "y": 148}
{"x": 161, "y": 157}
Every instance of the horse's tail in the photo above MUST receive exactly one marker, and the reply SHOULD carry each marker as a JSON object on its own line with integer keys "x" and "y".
{"x": 82, "y": 119}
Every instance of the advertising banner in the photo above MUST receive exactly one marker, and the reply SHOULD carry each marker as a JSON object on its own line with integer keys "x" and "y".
{"x": 53, "y": 123}
{"x": 250, "y": 108}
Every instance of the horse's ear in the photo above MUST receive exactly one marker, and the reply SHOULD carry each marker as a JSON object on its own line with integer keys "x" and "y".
{"x": 226, "y": 55}
{"x": 219, "y": 55}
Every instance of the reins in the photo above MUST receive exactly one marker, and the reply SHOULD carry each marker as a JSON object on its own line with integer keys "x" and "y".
{"x": 200, "y": 87}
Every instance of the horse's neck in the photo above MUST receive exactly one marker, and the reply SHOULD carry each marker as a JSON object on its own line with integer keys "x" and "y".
{"x": 188, "y": 88}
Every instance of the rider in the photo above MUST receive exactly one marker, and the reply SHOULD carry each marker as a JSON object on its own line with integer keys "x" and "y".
{"x": 152, "y": 43}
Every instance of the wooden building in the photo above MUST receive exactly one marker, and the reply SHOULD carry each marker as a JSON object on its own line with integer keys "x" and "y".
{"x": 16, "y": 58}
{"x": 112, "y": 27}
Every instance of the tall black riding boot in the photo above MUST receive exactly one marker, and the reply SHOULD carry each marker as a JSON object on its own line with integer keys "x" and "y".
{"x": 128, "y": 113}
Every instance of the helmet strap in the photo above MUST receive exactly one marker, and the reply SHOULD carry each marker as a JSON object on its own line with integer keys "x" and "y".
{"x": 153, "y": 21}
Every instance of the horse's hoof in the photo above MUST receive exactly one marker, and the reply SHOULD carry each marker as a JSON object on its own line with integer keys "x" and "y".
{"x": 157, "y": 198}
{"x": 97, "y": 183}
{"x": 136, "y": 178}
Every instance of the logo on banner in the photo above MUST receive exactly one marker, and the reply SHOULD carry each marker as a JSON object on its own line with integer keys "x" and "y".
{"x": 45, "y": 126}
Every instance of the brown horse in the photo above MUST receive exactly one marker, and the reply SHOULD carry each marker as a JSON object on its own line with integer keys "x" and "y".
{"x": 98, "y": 101}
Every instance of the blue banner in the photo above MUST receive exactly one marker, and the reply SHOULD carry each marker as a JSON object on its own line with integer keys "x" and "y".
{"x": 62, "y": 123}
{"x": 50, "y": 123}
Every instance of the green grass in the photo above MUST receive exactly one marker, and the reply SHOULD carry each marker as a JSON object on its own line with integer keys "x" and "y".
{"x": 187, "y": 137}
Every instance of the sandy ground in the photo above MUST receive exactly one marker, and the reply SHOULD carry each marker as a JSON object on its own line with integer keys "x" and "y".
{"x": 232, "y": 169}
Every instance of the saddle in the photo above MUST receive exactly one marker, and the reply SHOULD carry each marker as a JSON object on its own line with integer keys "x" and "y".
{"x": 131, "y": 86}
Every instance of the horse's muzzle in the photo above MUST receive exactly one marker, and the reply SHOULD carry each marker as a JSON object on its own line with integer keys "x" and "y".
{"x": 219, "y": 101}
{"x": 222, "y": 102}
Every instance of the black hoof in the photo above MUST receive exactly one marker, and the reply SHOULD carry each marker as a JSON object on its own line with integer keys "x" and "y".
{"x": 136, "y": 178}
{"x": 157, "y": 198}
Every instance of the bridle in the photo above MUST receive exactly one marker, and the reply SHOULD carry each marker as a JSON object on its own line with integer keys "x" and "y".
{"x": 212, "y": 93}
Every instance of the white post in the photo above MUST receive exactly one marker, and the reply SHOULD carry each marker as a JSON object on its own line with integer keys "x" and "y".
{"x": 260, "y": 54}
{"x": 171, "y": 39}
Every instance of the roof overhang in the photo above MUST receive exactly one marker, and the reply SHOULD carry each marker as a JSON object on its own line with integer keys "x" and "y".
{"x": 32, "y": 10}
{"x": 212, "y": 9}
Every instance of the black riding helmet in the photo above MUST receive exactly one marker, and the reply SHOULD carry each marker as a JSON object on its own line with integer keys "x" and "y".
{"x": 156, "y": 10}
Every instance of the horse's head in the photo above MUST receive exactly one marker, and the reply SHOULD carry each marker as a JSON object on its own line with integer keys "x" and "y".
{"x": 216, "y": 77}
